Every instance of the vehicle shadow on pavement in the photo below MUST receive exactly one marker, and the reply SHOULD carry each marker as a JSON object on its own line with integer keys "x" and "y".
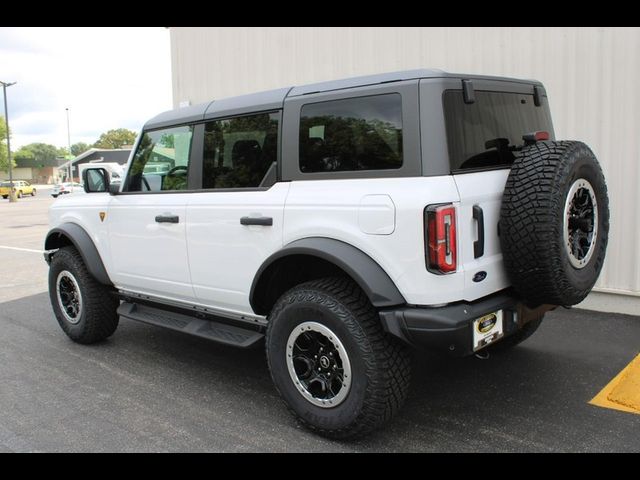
{"x": 150, "y": 389}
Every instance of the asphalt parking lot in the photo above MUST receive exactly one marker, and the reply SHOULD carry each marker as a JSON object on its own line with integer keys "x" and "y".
{"x": 148, "y": 389}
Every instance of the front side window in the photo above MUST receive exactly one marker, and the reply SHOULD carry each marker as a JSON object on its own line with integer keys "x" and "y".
{"x": 161, "y": 162}
{"x": 238, "y": 152}
{"x": 361, "y": 133}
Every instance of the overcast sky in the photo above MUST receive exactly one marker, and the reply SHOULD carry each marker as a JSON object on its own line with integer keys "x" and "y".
{"x": 108, "y": 77}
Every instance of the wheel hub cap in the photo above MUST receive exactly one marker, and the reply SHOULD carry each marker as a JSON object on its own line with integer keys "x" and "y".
{"x": 580, "y": 223}
{"x": 318, "y": 364}
{"x": 69, "y": 297}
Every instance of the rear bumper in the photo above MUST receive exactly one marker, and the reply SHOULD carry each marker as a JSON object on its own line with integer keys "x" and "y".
{"x": 449, "y": 329}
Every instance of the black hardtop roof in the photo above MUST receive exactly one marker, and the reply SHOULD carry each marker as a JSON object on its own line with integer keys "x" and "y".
{"x": 274, "y": 99}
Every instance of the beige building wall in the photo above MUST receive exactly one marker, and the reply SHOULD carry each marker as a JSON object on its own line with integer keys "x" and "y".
{"x": 17, "y": 174}
{"x": 592, "y": 76}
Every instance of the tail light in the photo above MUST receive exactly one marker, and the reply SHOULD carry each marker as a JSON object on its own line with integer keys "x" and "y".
{"x": 440, "y": 238}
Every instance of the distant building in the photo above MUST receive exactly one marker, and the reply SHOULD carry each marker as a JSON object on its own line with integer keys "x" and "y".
{"x": 94, "y": 155}
{"x": 34, "y": 170}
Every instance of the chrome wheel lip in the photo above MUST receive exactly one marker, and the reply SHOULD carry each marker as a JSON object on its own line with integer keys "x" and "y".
{"x": 579, "y": 184}
{"x": 341, "y": 351}
{"x": 64, "y": 304}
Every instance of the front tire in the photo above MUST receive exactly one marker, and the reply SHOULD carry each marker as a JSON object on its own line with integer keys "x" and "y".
{"x": 84, "y": 308}
{"x": 326, "y": 327}
{"x": 19, "y": 195}
{"x": 5, "y": 196}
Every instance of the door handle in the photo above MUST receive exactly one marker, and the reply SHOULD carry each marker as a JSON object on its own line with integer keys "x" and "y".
{"x": 167, "y": 218}
{"x": 263, "y": 221}
{"x": 478, "y": 245}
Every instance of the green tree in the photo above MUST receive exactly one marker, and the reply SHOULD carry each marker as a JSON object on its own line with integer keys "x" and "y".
{"x": 116, "y": 138}
{"x": 4, "y": 164}
{"x": 79, "y": 148}
{"x": 39, "y": 151}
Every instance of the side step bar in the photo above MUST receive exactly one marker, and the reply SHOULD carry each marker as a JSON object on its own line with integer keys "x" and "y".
{"x": 219, "y": 332}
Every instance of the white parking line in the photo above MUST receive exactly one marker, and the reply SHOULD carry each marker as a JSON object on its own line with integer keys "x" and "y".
{"x": 22, "y": 249}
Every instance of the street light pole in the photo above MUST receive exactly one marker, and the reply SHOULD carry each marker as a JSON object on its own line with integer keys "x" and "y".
{"x": 12, "y": 194}
{"x": 70, "y": 179}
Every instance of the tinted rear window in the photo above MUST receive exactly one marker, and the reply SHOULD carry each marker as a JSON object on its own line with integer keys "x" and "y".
{"x": 362, "y": 133}
{"x": 484, "y": 134}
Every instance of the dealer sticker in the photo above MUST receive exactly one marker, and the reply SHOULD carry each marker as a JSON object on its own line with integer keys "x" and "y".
{"x": 487, "y": 329}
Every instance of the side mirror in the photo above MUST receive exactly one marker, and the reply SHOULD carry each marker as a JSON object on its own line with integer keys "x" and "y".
{"x": 95, "y": 180}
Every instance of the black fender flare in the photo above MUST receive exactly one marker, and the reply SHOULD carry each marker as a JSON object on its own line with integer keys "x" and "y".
{"x": 81, "y": 240}
{"x": 363, "y": 269}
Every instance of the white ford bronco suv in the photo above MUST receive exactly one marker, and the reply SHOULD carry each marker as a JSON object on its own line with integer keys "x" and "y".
{"x": 340, "y": 223}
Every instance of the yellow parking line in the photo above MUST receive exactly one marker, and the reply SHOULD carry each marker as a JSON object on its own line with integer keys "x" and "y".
{"x": 623, "y": 392}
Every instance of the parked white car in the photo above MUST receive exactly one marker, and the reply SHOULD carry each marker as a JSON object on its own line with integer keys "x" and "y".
{"x": 66, "y": 188}
{"x": 339, "y": 224}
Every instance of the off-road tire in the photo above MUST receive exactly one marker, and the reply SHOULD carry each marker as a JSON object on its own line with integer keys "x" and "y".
{"x": 380, "y": 365}
{"x": 98, "y": 317}
{"x": 517, "y": 338}
{"x": 532, "y": 222}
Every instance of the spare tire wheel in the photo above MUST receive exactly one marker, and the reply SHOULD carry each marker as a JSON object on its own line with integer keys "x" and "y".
{"x": 554, "y": 222}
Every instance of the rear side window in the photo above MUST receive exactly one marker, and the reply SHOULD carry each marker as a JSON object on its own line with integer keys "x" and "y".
{"x": 161, "y": 161}
{"x": 484, "y": 134}
{"x": 238, "y": 152}
{"x": 361, "y": 133}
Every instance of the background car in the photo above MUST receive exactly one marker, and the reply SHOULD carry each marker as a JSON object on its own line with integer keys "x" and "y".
{"x": 66, "y": 188}
{"x": 21, "y": 188}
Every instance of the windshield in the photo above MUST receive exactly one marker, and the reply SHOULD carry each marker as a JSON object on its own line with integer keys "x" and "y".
{"x": 484, "y": 134}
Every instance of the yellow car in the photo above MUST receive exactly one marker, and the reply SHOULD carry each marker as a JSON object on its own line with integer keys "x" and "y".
{"x": 21, "y": 188}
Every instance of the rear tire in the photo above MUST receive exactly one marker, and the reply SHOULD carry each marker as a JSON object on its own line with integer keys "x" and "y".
{"x": 5, "y": 196}
{"x": 84, "y": 308}
{"x": 335, "y": 315}
{"x": 54, "y": 196}
{"x": 19, "y": 195}
{"x": 33, "y": 192}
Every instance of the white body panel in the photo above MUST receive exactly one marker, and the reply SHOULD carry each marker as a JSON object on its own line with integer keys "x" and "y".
{"x": 147, "y": 256}
{"x": 84, "y": 210}
{"x": 210, "y": 259}
{"x": 484, "y": 189}
{"x": 330, "y": 208}
{"x": 225, "y": 255}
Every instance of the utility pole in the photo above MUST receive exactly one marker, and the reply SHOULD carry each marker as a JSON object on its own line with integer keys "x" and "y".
{"x": 12, "y": 194}
{"x": 69, "y": 147}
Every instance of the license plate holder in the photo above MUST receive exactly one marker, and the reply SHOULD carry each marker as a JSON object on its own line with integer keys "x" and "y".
{"x": 487, "y": 329}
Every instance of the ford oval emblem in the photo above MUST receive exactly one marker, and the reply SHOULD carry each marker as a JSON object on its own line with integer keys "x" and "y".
{"x": 486, "y": 323}
{"x": 481, "y": 275}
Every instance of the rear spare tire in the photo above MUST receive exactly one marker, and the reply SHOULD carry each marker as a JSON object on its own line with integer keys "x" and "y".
{"x": 554, "y": 222}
